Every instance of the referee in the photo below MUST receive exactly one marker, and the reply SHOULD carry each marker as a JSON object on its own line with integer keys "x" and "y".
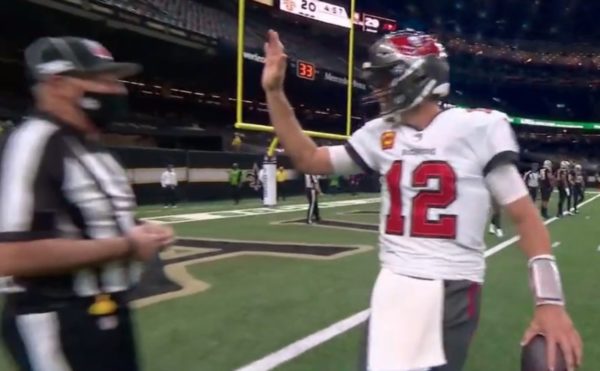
{"x": 532, "y": 180}
{"x": 313, "y": 190}
{"x": 67, "y": 227}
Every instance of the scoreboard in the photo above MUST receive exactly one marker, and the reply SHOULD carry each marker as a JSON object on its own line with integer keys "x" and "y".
{"x": 322, "y": 11}
{"x": 306, "y": 70}
{"x": 377, "y": 24}
{"x": 337, "y": 15}
{"x": 317, "y": 10}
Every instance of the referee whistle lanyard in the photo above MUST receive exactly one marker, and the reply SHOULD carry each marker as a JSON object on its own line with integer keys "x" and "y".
{"x": 103, "y": 306}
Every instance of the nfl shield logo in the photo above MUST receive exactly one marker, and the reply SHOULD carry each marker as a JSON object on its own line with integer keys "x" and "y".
{"x": 387, "y": 140}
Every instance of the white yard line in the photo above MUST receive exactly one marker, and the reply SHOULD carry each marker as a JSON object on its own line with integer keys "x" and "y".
{"x": 224, "y": 214}
{"x": 301, "y": 346}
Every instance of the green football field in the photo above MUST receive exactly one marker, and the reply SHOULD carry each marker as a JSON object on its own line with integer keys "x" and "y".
{"x": 254, "y": 281}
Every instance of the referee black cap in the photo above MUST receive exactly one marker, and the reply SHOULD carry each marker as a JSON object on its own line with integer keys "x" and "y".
{"x": 73, "y": 56}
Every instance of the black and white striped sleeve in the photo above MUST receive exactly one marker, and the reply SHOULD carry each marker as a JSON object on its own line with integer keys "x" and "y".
{"x": 25, "y": 160}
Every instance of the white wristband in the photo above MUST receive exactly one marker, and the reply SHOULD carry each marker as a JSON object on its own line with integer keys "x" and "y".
{"x": 544, "y": 280}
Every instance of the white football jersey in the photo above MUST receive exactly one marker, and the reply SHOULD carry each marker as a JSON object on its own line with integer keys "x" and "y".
{"x": 435, "y": 202}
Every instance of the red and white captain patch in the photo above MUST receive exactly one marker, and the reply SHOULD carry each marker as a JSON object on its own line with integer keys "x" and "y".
{"x": 98, "y": 50}
{"x": 388, "y": 139}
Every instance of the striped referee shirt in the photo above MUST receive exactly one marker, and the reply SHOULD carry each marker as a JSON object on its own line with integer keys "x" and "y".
{"x": 532, "y": 179}
{"x": 310, "y": 181}
{"x": 54, "y": 183}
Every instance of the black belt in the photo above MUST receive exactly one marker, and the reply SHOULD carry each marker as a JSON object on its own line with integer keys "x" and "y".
{"x": 27, "y": 303}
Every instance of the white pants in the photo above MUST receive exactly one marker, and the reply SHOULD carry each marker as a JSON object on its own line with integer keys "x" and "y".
{"x": 406, "y": 324}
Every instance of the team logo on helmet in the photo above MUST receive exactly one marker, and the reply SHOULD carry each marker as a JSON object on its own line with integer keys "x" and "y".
{"x": 415, "y": 44}
{"x": 98, "y": 49}
{"x": 388, "y": 139}
{"x": 416, "y": 41}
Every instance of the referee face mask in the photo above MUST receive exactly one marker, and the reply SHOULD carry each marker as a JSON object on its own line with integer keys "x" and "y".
{"x": 102, "y": 109}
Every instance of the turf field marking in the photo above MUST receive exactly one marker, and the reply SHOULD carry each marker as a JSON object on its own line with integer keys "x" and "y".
{"x": 326, "y": 223}
{"x": 202, "y": 250}
{"x": 301, "y": 346}
{"x": 223, "y": 214}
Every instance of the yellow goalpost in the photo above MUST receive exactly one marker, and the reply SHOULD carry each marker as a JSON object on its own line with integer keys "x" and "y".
{"x": 241, "y": 125}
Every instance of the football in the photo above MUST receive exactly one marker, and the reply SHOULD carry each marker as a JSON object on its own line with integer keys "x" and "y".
{"x": 533, "y": 356}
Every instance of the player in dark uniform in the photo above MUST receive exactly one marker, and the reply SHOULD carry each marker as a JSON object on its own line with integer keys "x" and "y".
{"x": 578, "y": 187}
{"x": 571, "y": 185}
{"x": 564, "y": 193}
{"x": 546, "y": 185}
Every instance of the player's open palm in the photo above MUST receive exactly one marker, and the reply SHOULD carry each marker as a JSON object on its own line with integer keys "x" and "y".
{"x": 554, "y": 323}
{"x": 275, "y": 63}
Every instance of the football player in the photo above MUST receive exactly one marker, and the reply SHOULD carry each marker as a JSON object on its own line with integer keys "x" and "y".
{"x": 578, "y": 187}
{"x": 571, "y": 183}
{"x": 562, "y": 183}
{"x": 439, "y": 171}
{"x": 546, "y": 186}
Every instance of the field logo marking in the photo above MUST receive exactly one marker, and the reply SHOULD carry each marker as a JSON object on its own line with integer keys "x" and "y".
{"x": 301, "y": 346}
{"x": 167, "y": 278}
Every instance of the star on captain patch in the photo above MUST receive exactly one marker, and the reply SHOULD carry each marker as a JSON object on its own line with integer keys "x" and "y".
{"x": 387, "y": 140}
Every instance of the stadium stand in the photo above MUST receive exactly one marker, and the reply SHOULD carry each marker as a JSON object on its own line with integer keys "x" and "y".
{"x": 186, "y": 97}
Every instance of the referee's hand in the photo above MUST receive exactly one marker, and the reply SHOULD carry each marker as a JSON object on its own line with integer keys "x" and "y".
{"x": 149, "y": 239}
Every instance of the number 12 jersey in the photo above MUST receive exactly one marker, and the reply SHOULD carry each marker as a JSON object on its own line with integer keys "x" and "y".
{"x": 435, "y": 202}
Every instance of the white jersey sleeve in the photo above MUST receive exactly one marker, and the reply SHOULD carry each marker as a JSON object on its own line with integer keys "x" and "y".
{"x": 497, "y": 145}
{"x": 341, "y": 161}
{"x": 505, "y": 184}
{"x": 364, "y": 145}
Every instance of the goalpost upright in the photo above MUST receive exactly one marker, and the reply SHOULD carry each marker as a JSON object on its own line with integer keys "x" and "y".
{"x": 240, "y": 124}
{"x": 270, "y": 198}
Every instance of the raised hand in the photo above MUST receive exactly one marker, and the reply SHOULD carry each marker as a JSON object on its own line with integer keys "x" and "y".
{"x": 275, "y": 63}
